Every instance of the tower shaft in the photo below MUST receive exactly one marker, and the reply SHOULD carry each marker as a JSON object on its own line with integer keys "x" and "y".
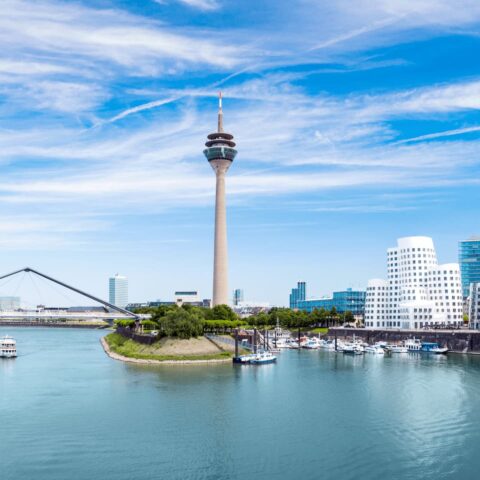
{"x": 220, "y": 261}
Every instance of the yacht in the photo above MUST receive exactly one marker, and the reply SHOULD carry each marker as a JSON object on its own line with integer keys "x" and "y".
{"x": 397, "y": 348}
{"x": 377, "y": 349}
{"x": 8, "y": 347}
{"x": 353, "y": 349}
{"x": 312, "y": 344}
{"x": 433, "y": 347}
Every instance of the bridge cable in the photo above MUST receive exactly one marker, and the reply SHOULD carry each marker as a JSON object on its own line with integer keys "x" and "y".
{"x": 22, "y": 278}
{"x": 57, "y": 290}
{"x": 40, "y": 296}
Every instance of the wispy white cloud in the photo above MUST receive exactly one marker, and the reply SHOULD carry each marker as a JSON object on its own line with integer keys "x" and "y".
{"x": 206, "y": 5}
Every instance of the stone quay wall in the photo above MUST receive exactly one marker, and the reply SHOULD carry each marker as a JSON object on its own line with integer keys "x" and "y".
{"x": 458, "y": 341}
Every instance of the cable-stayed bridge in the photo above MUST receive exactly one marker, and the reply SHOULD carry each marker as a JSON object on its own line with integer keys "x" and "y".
{"x": 108, "y": 313}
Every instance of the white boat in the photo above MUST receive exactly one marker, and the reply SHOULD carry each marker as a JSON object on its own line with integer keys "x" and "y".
{"x": 413, "y": 345}
{"x": 312, "y": 344}
{"x": 327, "y": 344}
{"x": 282, "y": 343}
{"x": 439, "y": 350}
{"x": 376, "y": 349}
{"x": 353, "y": 349}
{"x": 8, "y": 347}
{"x": 397, "y": 348}
{"x": 262, "y": 358}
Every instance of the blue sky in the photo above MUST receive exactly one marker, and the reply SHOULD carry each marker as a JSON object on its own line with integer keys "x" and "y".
{"x": 356, "y": 122}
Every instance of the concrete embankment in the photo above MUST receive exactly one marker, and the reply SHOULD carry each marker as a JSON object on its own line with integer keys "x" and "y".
{"x": 457, "y": 341}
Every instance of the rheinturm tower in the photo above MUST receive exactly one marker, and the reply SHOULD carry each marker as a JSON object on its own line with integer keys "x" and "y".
{"x": 220, "y": 153}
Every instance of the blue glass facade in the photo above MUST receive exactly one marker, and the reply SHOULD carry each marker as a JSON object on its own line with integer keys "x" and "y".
{"x": 469, "y": 260}
{"x": 348, "y": 300}
{"x": 298, "y": 294}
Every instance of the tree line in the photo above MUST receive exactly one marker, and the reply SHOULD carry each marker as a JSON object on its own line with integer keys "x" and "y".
{"x": 191, "y": 321}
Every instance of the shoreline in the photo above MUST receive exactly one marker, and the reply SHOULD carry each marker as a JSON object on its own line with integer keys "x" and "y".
{"x": 121, "y": 358}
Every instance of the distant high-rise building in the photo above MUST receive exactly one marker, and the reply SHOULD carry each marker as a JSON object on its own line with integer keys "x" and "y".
{"x": 118, "y": 290}
{"x": 469, "y": 260}
{"x": 418, "y": 293}
{"x": 298, "y": 294}
{"x": 9, "y": 303}
{"x": 237, "y": 296}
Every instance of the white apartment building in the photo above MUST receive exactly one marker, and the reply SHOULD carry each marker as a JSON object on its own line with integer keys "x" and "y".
{"x": 418, "y": 292}
{"x": 474, "y": 306}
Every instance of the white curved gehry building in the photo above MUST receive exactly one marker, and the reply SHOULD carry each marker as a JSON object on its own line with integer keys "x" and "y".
{"x": 418, "y": 292}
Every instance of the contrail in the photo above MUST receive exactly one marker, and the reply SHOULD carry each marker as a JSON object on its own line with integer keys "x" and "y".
{"x": 447, "y": 133}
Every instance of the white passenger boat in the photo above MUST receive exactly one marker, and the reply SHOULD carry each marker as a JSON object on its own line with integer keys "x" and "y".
{"x": 413, "y": 345}
{"x": 376, "y": 349}
{"x": 8, "y": 347}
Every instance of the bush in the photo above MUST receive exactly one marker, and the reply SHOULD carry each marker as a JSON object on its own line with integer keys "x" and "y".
{"x": 149, "y": 325}
{"x": 126, "y": 323}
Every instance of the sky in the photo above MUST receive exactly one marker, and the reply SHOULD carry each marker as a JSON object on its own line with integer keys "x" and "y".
{"x": 356, "y": 123}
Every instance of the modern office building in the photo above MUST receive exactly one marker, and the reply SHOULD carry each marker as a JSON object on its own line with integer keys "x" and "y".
{"x": 238, "y": 296}
{"x": 220, "y": 153}
{"x": 345, "y": 301}
{"x": 8, "y": 304}
{"x": 474, "y": 306}
{"x": 118, "y": 291}
{"x": 418, "y": 291}
{"x": 298, "y": 294}
{"x": 469, "y": 260}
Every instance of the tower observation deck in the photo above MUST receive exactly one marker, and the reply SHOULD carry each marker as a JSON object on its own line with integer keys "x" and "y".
{"x": 220, "y": 153}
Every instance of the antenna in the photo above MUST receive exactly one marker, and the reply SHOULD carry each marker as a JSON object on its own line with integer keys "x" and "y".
{"x": 220, "y": 113}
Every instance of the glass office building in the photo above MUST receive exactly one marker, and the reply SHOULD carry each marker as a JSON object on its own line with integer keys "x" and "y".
{"x": 469, "y": 260}
{"x": 238, "y": 296}
{"x": 345, "y": 301}
{"x": 298, "y": 294}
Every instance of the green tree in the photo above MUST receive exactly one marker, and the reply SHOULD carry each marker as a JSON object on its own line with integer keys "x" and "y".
{"x": 349, "y": 317}
{"x": 222, "y": 312}
{"x": 180, "y": 323}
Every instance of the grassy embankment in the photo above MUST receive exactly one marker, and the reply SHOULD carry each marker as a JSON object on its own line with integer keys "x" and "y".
{"x": 166, "y": 349}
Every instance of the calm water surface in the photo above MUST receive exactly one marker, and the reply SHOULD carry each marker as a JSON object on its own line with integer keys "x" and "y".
{"x": 69, "y": 412}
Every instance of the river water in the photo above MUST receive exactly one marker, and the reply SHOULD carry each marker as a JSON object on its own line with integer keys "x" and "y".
{"x": 69, "y": 412}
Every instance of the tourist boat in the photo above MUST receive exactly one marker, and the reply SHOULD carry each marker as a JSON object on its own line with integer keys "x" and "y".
{"x": 377, "y": 349}
{"x": 433, "y": 347}
{"x": 413, "y": 345}
{"x": 8, "y": 347}
{"x": 262, "y": 358}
